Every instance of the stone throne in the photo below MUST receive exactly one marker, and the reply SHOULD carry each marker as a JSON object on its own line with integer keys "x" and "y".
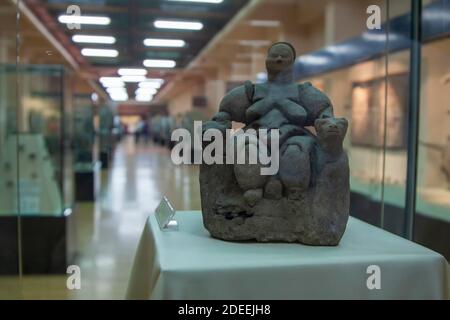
{"x": 307, "y": 199}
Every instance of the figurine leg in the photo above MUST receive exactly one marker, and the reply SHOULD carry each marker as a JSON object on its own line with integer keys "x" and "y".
{"x": 253, "y": 196}
{"x": 295, "y": 167}
{"x": 248, "y": 176}
{"x": 273, "y": 189}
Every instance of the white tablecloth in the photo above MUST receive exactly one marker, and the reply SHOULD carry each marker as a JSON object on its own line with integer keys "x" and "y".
{"x": 189, "y": 264}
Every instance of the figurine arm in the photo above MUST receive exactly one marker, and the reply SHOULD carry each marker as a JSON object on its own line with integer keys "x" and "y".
{"x": 232, "y": 108}
{"x": 327, "y": 112}
{"x": 294, "y": 112}
{"x": 316, "y": 103}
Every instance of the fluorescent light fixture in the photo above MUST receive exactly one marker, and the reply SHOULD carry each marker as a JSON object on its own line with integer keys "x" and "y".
{"x": 75, "y": 19}
{"x": 151, "y": 83}
{"x": 133, "y": 78}
{"x": 119, "y": 96}
{"x": 178, "y": 24}
{"x": 111, "y": 53}
{"x": 144, "y": 98}
{"x": 265, "y": 23}
{"x": 113, "y": 85}
{"x": 174, "y": 43}
{"x": 80, "y": 38}
{"x": 132, "y": 72}
{"x": 155, "y": 63}
{"x": 112, "y": 90}
{"x": 340, "y": 49}
{"x": 314, "y": 59}
{"x": 112, "y": 82}
{"x": 380, "y": 36}
{"x": 145, "y": 91}
{"x": 200, "y": 1}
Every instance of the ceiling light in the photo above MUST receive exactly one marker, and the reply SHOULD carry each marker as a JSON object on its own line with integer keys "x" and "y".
{"x": 112, "y": 90}
{"x": 201, "y": 1}
{"x": 112, "y": 82}
{"x": 153, "y": 63}
{"x": 313, "y": 59}
{"x": 151, "y": 83}
{"x": 119, "y": 96}
{"x": 132, "y": 72}
{"x": 94, "y": 97}
{"x": 113, "y": 85}
{"x": 133, "y": 78}
{"x": 144, "y": 98}
{"x": 146, "y": 91}
{"x": 265, "y": 23}
{"x": 79, "y": 38}
{"x": 112, "y": 53}
{"x": 140, "y": 94}
{"x": 84, "y": 19}
{"x": 164, "y": 43}
{"x": 184, "y": 25}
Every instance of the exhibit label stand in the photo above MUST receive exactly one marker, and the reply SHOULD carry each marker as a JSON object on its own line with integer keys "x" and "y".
{"x": 165, "y": 216}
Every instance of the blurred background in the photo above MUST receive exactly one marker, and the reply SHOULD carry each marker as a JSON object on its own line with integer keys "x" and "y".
{"x": 90, "y": 91}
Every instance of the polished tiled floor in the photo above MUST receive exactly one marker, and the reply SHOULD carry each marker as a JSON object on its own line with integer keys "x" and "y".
{"x": 107, "y": 231}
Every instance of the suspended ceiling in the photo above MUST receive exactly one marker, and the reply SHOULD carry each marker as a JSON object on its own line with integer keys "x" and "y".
{"x": 131, "y": 23}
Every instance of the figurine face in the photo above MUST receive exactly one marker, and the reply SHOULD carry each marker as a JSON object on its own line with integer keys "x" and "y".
{"x": 331, "y": 128}
{"x": 280, "y": 57}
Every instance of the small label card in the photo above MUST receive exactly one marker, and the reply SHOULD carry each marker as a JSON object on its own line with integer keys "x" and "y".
{"x": 165, "y": 216}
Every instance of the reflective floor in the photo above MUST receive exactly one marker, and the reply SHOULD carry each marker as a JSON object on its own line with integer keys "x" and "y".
{"x": 107, "y": 231}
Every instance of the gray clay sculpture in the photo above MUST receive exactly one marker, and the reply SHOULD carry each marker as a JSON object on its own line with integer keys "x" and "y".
{"x": 308, "y": 199}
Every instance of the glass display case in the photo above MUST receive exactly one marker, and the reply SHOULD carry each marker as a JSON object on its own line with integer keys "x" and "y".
{"x": 83, "y": 147}
{"x": 392, "y": 84}
{"x": 369, "y": 79}
{"x": 432, "y": 218}
{"x": 10, "y": 266}
{"x": 36, "y": 164}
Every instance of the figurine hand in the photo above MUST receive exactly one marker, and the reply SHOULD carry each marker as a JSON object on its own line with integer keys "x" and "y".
{"x": 214, "y": 125}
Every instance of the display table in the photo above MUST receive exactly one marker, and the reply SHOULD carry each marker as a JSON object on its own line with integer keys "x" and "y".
{"x": 189, "y": 264}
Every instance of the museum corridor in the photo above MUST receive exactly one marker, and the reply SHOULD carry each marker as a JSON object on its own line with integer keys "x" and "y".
{"x": 107, "y": 231}
{"x": 96, "y": 96}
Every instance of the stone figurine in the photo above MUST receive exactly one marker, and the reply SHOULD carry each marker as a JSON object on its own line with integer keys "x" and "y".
{"x": 307, "y": 200}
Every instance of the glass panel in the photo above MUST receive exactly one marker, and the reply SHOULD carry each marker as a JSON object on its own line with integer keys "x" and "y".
{"x": 349, "y": 64}
{"x": 9, "y": 218}
{"x": 40, "y": 154}
{"x": 432, "y": 219}
{"x": 52, "y": 130}
{"x": 393, "y": 117}
{"x": 43, "y": 154}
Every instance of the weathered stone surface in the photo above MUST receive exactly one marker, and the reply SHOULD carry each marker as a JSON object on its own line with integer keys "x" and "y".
{"x": 307, "y": 200}
{"x": 316, "y": 216}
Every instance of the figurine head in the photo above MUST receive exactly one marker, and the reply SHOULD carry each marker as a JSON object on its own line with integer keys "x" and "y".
{"x": 331, "y": 129}
{"x": 279, "y": 60}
